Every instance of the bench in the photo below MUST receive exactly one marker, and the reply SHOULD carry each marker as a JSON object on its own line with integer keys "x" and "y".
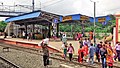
{"x": 6, "y": 49}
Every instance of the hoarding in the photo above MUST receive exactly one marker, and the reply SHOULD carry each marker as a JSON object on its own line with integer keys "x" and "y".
{"x": 67, "y": 18}
{"x": 83, "y": 17}
{"x": 101, "y": 19}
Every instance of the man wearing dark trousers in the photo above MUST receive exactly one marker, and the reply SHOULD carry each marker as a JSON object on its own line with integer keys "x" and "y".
{"x": 45, "y": 55}
{"x": 103, "y": 53}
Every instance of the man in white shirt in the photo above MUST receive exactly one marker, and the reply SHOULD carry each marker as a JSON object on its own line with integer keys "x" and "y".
{"x": 64, "y": 39}
{"x": 23, "y": 34}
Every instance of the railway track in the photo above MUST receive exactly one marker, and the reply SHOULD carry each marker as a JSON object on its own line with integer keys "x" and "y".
{"x": 73, "y": 64}
{"x": 7, "y": 64}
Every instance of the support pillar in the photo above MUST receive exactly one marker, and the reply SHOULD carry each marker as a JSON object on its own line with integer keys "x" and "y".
{"x": 49, "y": 33}
{"x": 25, "y": 30}
{"x": 57, "y": 29}
{"x": 8, "y": 29}
{"x": 33, "y": 27}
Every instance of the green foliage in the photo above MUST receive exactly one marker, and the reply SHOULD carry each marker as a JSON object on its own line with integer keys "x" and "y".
{"x": 112, "y": 16}
{"x": 2, "y": 26}
{"x": 98, "y": 36}
{"x": 77, "y": 27}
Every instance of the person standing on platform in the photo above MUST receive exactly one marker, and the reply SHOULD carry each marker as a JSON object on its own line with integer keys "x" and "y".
{"x": 45, "y": 54}
{"x": 85, "y": 42}
{"x": 91, "y": 35}
{"x": 70, "y": 51}
{"x": 44, "y": 44}
{"x": 117, "y": 48}
{"x": 54, "y": 36}
{"x": 109, "y": 56}
{"x": 76, "y": 36}
{"x": 88, "y": 42}
{"x": 80, "y": 54}
{"x": 31, "y": 36}
{"x": 103, "y": 53}
{"x": 91, "y": 54}
{"x": 64, "y": 39}
{"x": 23, "y": 34}
{"x": 64, "y": 48}
{"x": 85, "y": 52}
{"x": 79, "y": 36}
{"x": 61, "y": 36}
{"x": 5, "y": 34}
{"x": 81, "y": 42}
{"x": 98, "y": 51}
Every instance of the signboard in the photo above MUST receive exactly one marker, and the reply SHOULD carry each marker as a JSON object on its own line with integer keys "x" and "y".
{"x": 101, "y": 19}
{"x": 67, "y": 18}
{"x": 55, "y": 20}
{"x": 83, "y": 17}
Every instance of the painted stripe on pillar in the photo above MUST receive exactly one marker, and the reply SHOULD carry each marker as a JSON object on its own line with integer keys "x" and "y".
{"x": 117, "y": 20}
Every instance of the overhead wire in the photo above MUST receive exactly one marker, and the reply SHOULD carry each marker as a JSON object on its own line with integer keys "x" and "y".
{"x": 52, "y": 3}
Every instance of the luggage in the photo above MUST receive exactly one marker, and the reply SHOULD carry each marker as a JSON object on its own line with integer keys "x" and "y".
{"x": 49, "y": 62}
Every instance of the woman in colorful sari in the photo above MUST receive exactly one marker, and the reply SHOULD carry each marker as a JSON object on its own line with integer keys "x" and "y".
{"x": 80, "y": 54}
{"x": 85, "y": 52}
{"x": 109, "y": 56}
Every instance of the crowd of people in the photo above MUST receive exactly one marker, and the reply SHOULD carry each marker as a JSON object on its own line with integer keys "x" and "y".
{"x": 103, "y": 52}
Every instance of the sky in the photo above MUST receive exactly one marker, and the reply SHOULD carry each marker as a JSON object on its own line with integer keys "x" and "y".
{"x": 69, "y": 7}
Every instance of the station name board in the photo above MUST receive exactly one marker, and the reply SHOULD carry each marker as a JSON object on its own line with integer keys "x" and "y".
{"x": 82, "y": 17}
{"x": 101, "y": 19}
{"x": 66, "y": 18}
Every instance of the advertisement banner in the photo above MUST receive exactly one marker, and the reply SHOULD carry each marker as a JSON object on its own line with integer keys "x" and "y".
{"x": 67, "y": 18}
{"x": 83, "y": 17}
{"x": 101, "y": 19}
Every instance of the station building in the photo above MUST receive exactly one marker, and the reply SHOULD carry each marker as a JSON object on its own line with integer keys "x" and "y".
{"x": 44, "y": 24}
{"x": 37, "y": 22}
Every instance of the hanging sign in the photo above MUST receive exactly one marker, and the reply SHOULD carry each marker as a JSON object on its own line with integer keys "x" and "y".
{"x": 55, "y": 20}
{"x": 67, "y": 18}
{"x": 101, "y": 19}
{"x": 83, "y": 17}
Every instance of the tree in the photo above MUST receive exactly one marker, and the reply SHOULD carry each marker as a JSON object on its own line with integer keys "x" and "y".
{"x": 2, "y": 26}
{"x": 112, "y": 16}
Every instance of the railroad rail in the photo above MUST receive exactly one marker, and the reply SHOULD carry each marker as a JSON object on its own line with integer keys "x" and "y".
{"x": 52, "y": 57}
{"x": 38, "y": 52}
{"x": 12, "y": 65}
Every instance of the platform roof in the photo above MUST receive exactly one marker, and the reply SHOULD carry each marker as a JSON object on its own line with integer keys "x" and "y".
{"x": 24, "y": 16}
{"x": 39, "y": 14}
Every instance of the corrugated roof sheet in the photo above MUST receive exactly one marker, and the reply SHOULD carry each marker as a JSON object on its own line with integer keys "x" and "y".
{"x": 25, "y": 16}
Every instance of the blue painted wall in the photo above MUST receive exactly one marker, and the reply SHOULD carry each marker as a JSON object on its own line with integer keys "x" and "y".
{"x": 76, "y": 17}
{"x": 91, "y": 19}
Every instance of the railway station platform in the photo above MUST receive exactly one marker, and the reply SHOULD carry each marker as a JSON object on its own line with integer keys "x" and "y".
{"x": 54, "y": 45}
